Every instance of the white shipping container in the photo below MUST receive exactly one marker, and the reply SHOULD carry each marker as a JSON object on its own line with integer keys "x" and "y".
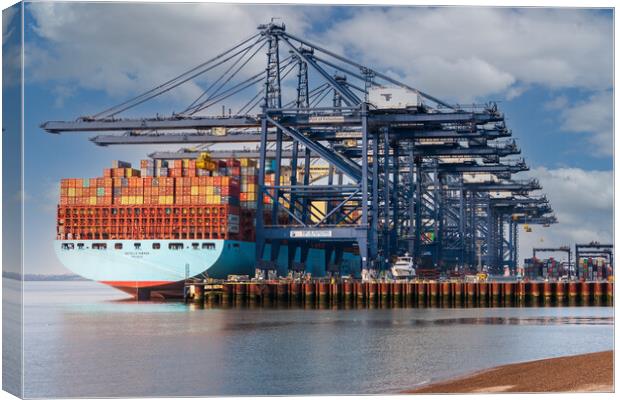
{"x": 479, "y": 177}
{"x": 233, "y": 228}
{"x": 393, "y": 97}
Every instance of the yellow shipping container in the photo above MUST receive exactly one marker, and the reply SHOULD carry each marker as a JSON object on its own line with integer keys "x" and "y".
{"x": 247, "y": 162}
{"x": 217, "y": 199}
{"x": 162, "y": 199}
{"x": 139, "y": 199}
{"x": 209, "y": 190}
{"x": 71, "y": 192}
{"x": 170, "y": 199}
{"x": 124, "y": 200}
{"x": 185, "y": 163}
{"x": 322, "y": 207}
{"x": 219, "y": 131}
{"x": 194, "y": 191}
{"x": 93, "y": 200}
{"x": 132, "y": 200}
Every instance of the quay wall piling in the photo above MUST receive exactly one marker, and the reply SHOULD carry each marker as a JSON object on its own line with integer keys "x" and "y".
{"x": 401, "y": 293}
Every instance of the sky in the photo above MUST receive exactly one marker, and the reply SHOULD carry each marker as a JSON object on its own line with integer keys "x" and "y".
{"x": 549, "y": 70}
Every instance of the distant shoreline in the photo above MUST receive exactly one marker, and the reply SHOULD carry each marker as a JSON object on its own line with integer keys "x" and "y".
{"x": 591, "y": 372}
{"x": 43, "y": 277}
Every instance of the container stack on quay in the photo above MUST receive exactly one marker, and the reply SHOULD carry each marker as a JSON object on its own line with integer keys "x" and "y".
{"x": 596, "y": 268}
{"x": 550, "y": 268}
{"x": 177, "y": 199}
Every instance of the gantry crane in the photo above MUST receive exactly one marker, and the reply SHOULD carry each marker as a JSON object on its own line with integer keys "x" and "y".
{"x": 402, "y": 166}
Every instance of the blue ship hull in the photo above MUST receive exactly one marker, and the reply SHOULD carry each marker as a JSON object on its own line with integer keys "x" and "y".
{"x": 130, "y": 265}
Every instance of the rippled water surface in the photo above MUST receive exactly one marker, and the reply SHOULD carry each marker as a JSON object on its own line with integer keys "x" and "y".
{"x": 81, "y": 339}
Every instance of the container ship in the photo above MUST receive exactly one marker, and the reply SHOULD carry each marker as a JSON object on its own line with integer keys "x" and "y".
{"x": 145, "y": 231}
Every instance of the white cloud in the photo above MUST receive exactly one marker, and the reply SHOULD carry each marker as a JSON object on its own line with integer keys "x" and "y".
{"x": 7, "y": 20}
{"x": 471, "y": 77}
{"x": 593, "y": 116}
{"x": 516, "y": 91}
{"x": 11, "y": 45}
{"x": 124, "y": 49}
{"x": 62, "y": 92}
{"x": 583, "y": 203}
{"x": 489, "y": 50}
{"x": 451, "y": 52}
{"x": 557, "y": 103}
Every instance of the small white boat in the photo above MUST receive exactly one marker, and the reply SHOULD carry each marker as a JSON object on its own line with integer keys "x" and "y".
{"x": 403, "y": 267}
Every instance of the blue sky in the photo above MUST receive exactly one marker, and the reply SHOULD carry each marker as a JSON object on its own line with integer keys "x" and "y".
{"x": 550, "y": 70}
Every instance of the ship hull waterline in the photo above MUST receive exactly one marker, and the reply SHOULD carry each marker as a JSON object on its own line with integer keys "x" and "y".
{"x": 159, "y": 268}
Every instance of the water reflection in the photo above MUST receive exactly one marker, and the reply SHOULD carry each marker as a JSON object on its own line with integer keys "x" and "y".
{"x": 81, "y": 341}
{"x": 233, "y": 326}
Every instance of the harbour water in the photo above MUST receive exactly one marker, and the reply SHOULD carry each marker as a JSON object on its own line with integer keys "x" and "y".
{"x": 85, "y": 339}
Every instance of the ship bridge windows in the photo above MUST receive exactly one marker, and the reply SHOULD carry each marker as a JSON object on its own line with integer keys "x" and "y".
{"x": 67, "y": 246}
{"x": 175, "y": 246}
{"x": 100, "y": 246}
{"x": 118, "y": 246}
{"x": 208, "y": 246}
{"x": 156, "y": 246}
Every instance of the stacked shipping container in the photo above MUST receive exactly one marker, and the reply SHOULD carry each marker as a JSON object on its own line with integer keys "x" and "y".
{"x": 587, "y": 268}
{"x": 148, "y": 222}
{"x": 594, "y": 268}
{"x": 164, "y": 199}
{"x": 248, "y": 183}
{"x": 552, "y": 269}
{"x": 174, "y": 199}
{"x": 532, "y": 268}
